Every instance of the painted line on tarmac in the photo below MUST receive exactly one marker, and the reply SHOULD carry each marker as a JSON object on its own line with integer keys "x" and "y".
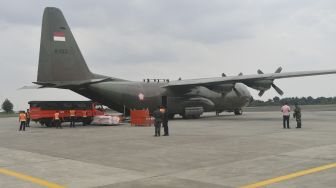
{"x": 29, "y": 178}
{"x": 290, "y": 176}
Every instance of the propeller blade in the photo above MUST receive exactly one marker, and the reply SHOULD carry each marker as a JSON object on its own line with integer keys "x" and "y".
{"x": 261, "y": 92}
{"x": 260, "y": 72}
{"x": 277, "y": 89}
{"x": 278, "y": 70}
{"x": 236, "y": 91}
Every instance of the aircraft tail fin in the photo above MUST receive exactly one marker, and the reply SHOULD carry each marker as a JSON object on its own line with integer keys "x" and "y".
{"x": 60, "y": 58}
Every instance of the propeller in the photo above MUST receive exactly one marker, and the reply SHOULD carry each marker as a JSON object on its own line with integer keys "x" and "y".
{"x": 278, "y": 70}
{"x": 276, "y": 88}
{"x": 236, "y": 91}
{"x": 261, "y": 92}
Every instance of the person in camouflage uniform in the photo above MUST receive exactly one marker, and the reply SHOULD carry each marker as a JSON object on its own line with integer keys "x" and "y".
{"x": 297, "y": 115}
{"x": 158, "y": 115}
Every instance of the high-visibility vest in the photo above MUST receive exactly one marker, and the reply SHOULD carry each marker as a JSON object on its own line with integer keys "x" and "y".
{"x": 22, "y": 117}
{"x": 72, "y": 112}
{"x": 56, "y": 116}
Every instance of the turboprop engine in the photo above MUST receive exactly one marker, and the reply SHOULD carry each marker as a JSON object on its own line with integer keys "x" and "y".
{"x": 263, "y": 85}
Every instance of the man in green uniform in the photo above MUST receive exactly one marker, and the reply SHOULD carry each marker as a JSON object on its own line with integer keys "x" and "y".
{"x": 158, "y": 115}
{"x": 297, "y": 115}
{"x": 28, "y": 118}
{"x": 165, "y": 121}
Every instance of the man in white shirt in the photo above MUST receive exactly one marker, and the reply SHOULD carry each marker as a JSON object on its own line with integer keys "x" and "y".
{"x": 285, "y": 109}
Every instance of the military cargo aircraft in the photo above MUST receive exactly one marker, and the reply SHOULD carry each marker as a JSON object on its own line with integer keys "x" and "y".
{"x": 61, "y": 65}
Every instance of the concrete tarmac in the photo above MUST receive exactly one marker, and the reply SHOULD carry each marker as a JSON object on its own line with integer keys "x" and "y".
{"x": 224, "y": 151}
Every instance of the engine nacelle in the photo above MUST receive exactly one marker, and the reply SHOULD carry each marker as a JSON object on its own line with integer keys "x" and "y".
{"x": 223, "y": 88}
{"x": 261, "y": 85}
{"x": 203, "y": 92}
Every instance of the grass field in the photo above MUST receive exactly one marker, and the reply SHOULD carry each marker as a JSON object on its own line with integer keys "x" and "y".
{"x": 4, "y": 114}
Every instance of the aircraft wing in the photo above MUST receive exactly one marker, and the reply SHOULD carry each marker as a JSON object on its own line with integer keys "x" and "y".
{"x": 259, "y": 81}
{"x": 31, "y": 87}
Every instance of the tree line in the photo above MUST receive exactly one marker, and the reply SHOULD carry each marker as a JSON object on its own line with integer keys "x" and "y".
{"x": 276, "y": 101}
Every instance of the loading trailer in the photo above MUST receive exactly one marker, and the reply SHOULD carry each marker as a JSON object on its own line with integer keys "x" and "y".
{"x": 43, "y": 111}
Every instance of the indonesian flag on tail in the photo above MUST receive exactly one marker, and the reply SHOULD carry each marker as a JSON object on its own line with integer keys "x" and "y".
{"x": 59, "y": 36}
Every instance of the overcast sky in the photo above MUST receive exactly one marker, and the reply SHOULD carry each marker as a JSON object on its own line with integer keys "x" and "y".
{"x": 176, "y": 38}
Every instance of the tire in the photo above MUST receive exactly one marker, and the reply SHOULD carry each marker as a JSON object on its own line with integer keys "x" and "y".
{"x": 238, "y": 112}
{"x": 48, "y": 124}
{"x": 195, "y": 117}
{"x": 87, "y": 121}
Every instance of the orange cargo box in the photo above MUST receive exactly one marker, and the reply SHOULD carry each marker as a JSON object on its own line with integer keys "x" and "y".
{"x": 141, "y": 118}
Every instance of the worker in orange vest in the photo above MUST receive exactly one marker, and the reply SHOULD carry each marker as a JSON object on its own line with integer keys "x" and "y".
{"x": 57, "y": 120}
{"x": 72, "y": 118}
{"x": 22, "y": 120}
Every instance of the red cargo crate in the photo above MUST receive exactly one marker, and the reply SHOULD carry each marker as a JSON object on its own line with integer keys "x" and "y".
{"x": 141, "y": 118}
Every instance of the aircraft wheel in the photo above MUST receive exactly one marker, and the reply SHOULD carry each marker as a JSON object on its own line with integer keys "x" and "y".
{"x": 48, "y": 124}
{"x": 238, "y": 112}
{"x": 191, "y": 116}
{"x": 195, "y": 117}
{"x": 186, "y": 117}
